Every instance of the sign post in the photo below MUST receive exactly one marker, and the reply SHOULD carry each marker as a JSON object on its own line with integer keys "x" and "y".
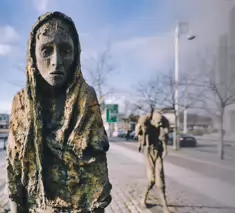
{"x": 111, "y": 115}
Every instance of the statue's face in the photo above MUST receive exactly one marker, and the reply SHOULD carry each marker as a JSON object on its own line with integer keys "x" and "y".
{"x": 54, "y": 52}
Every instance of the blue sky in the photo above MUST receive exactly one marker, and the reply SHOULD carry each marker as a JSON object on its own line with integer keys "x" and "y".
{"x": 141, "y": 34}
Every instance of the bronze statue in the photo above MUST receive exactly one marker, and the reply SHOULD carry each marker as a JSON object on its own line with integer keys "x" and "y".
{"x": 152, "y": 131}
{"x": 56, "y": 159}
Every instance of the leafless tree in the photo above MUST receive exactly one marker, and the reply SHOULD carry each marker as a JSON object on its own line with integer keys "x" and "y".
{"x": 149, "y": 94}
{"x": 218, "y": 82}
{"x": 159, "y": 92}
{"x": 188, "y": 96}
{"x": 100, "y": 68}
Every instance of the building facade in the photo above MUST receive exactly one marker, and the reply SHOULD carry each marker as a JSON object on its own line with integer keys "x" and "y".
{"x": 4, "y": 121}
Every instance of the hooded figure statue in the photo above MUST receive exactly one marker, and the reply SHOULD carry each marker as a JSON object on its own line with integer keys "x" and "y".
{"x": 56, "y": 158}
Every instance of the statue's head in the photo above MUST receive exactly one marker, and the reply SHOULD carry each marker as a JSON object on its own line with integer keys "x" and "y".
{"x": 156, "y": 118}
{"x": 55, "y": 48}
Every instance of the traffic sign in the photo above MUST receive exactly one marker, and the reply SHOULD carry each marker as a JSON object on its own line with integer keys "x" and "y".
{"x": 111, "y": 113}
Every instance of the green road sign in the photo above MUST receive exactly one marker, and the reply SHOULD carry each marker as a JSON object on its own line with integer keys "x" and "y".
{"x": 111, "y": 113}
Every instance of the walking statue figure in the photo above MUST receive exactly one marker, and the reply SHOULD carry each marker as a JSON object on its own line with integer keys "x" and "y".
{"x": 56, "y": 158}
{"x": 152, "y": 131}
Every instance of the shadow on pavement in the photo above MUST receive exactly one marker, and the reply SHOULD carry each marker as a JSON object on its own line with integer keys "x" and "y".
{"x": 201, "y": 206}
{"x": 152, "y": 205}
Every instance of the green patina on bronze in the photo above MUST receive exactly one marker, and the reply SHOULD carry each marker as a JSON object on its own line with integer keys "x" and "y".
{"x": 66, "y": 168}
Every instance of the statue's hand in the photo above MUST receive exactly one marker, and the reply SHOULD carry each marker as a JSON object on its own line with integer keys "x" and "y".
{"x": 165, "y": 152}
{"x": 15, "y": 208}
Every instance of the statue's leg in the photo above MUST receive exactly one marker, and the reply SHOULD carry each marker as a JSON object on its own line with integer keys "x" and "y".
{"x": 160, "y": 182}
{"x": 150, "y": 167}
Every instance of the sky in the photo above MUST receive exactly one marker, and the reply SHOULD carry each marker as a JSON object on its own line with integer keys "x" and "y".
{"x": 140, "y": 34}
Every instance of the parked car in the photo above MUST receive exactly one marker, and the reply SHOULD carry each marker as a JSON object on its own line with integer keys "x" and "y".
{"x": 122, "y": 134}
{"x": 132, "y": 135}
{"x": 3, "y": 142}
{"x": 185, "y": 140}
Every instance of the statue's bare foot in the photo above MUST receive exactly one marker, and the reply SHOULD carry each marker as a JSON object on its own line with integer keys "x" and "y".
{"x": 143, "y": 203}
{"x": 166, "y": 210}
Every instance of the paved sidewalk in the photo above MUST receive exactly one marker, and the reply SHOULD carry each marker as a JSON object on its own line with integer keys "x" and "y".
{"x": 186, "y": 191}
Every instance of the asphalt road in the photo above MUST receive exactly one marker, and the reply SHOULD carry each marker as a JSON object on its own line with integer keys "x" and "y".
{"x": 202, "y": 159}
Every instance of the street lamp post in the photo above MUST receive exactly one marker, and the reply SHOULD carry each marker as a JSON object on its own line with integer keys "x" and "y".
{"x": 178, "y": 32}
{"x": 185, "y": 120}
{"x": 176, "y": 101}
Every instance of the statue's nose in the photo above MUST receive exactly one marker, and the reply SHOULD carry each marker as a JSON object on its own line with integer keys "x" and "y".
{"x": 56, "y": 59}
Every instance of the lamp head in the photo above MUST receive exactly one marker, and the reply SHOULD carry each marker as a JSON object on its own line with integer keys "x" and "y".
{"x": 191, "y": 37}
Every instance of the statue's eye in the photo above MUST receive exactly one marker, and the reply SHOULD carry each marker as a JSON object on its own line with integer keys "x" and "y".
{"x": 47, "y": 51}
{"x": 66, "y": 50}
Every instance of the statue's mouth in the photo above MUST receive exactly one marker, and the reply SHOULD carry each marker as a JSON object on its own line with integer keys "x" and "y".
{"x": 57, "y": 73}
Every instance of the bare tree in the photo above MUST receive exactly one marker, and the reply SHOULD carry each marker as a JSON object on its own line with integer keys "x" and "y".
{"x": 99, "y": 69}
{"x": 188, "y": 96}
{"x": 159, "y": 92}
{"x": 218, "y": 81}
{"x": 149, "y": 94}
{"x": 128, "y": 112}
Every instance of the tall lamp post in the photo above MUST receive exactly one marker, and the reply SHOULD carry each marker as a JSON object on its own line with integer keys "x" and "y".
{"x": 181, "y": 28}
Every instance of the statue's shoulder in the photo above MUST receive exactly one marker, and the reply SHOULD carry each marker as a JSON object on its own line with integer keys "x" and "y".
{"x": 91, "y": 95}
{"x": 18, "y": 114}
{"x": 165, "y": 122}
{"x": 143, "y": 119}
{"x": 19, "y": 100}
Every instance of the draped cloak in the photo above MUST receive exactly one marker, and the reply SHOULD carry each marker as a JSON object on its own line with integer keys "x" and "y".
{"x": 67, "y": 167}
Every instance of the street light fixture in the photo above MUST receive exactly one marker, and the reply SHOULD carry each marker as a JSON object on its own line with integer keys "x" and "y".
{"x": 181, "y": 28}
{"x": 191, "y": 37}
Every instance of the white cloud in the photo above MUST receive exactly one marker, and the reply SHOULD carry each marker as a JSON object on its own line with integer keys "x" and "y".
{"x": 5, "y": 49}
{"x": 8, "y": 35}
{"x": 41, "y": 5}
{"x": 149, "y": 52}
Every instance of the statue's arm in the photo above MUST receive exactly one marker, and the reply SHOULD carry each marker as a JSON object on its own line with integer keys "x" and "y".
{"x": 97, "y": 125}
{"x": 164, "y": 132}
{"x": 13, "y": 184}
{"x": 146, "y": 139}
{"x": 137, "y": 132}
{"x": 13, "y": 178}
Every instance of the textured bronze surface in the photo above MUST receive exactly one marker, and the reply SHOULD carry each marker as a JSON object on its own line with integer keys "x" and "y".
{"x": 56, "y": 160}
{"x": 152, "y": 131}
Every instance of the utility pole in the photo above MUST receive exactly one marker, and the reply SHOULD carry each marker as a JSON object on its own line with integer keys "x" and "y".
{"x": 176, "y": 93}
{"x": 178, "y": 31}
